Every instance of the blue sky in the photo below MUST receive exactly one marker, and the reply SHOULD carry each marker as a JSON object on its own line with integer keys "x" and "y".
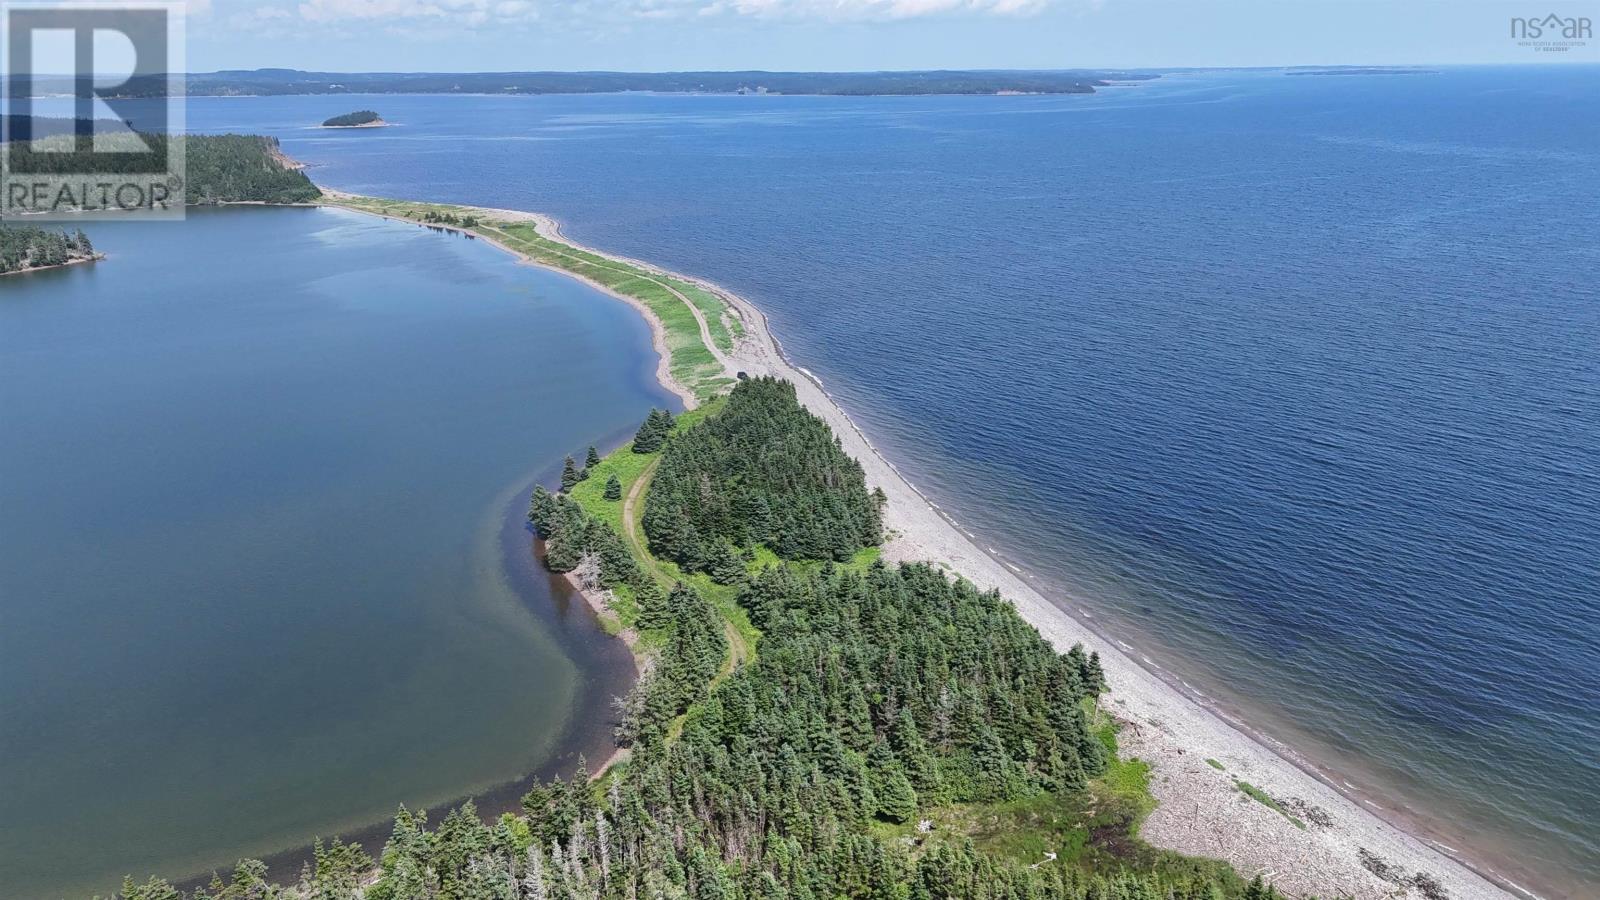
{"x": 656, "y": 35}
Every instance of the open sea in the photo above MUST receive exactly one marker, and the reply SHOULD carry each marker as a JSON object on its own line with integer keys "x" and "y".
{"x": 1290, "y": 382}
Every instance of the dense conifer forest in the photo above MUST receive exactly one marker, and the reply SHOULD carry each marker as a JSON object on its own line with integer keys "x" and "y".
{"x": 879, "y": 700}
{"x": 220, "y": 168}
{"x": 33, "y": 248}
{"x": 238, "y": 168}
{"x": 764, "y": 471}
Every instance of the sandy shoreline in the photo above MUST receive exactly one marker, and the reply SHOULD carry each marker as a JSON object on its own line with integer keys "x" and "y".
{"x": 96, "y": 257}
{"x": 1201, "y": 810}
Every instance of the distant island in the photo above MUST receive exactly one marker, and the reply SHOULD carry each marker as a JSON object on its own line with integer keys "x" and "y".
{"x": 361, "y": 118}
{"x": 266, "y": 82}
{"x": 28, "y": 249}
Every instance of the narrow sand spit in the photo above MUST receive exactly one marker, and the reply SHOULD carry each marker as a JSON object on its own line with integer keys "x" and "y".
{"x": 1200, "y": 811}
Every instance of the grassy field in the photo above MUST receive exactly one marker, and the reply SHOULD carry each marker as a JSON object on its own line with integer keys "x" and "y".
{"x": 672, "y": 301}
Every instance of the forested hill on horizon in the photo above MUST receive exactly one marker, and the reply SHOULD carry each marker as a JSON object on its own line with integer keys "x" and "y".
{"x": 293, "y": 81}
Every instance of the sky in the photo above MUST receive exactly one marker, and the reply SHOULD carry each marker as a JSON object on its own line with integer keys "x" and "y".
{"x": 846, "y": 35}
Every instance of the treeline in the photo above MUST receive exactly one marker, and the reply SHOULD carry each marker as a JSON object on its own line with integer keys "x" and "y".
{"x": 219, "y": 168}
{"x": 238, "y": 168}
{"x": 434, "y": 217}
{"x": 763, "y": 471}
{"x": 24, "y": 247}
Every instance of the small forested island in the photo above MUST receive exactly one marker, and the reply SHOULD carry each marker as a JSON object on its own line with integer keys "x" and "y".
{"x": 361, "y": 118}
{"x": 24, "y": 249}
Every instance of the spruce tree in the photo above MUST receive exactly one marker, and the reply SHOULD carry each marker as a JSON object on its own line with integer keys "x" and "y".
{"x": 613, "y": 488}
{"x": 727, "y": 567}
{"x": 653, "y": 433}
{"x": 617, "y": 565}
{"x": 593, "y": 459}
{"x": 652, "y": 605}
{"x": 569, "y": 475}
{"x": 568, "y": 538}
{"x": 1094, "y": 675}
{"x": 542, "y": 510}
{"x": 897, "y": 800}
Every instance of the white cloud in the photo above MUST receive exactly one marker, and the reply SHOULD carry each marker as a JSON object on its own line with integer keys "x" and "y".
{"x": 859, "y": 10}
{"x": 359, "y": 10}
{"x": 490, "y": 13}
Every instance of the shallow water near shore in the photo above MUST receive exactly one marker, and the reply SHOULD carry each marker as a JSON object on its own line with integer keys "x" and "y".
{"x": 259, "y": 583}
{"x": 1310, "y": 416}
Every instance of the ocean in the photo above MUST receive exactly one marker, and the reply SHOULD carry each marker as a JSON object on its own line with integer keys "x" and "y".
{"x": 1289, "y": 382}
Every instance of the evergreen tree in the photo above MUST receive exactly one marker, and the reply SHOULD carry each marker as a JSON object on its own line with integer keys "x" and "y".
{"x": 617, "y": 565}
{"x": 613, "y": 488}
{"x": 897, "y": 800}
{"x": 727, "y": 567}
{"x": 593, "y": 459}
{"x": 652, "y": 605}
{"x": 653, "y": 433}
{"x": 563, "y": 550}
{"x": 542, "y": 510}
{"x": 569, "y": 475}
{"x": 1094, "y": 676}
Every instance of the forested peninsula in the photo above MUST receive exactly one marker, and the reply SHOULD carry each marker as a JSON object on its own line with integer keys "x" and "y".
{"x": 811, "y": 720}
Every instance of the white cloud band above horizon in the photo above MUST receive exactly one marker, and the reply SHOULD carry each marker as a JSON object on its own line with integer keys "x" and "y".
{"x": 476, "y": 13}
